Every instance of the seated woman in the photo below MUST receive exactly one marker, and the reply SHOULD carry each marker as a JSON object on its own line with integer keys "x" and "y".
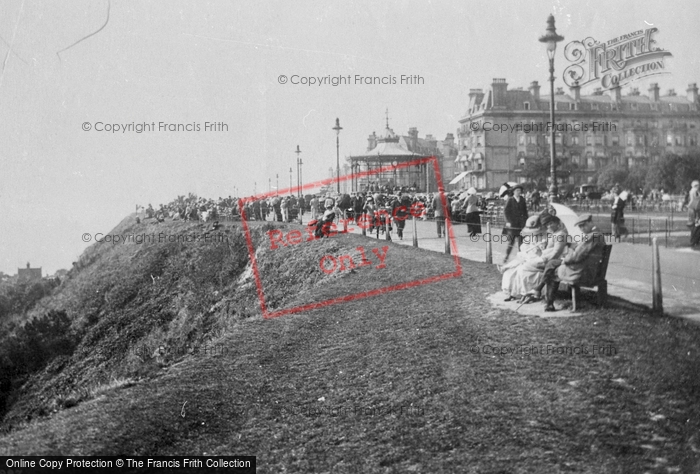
{"x": 557, "y": 240}
{"x": 522, "y": 274}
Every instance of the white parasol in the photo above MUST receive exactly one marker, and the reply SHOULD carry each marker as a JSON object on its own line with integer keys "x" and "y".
{"x": 568, "y": 217}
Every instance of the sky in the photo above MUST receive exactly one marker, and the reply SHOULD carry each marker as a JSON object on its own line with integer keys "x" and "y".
{"x": 179, "y": 62}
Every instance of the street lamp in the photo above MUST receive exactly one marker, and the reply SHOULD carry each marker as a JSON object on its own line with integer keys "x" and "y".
{"x": 551, "y": 38}
{"x": 290, "y": 179}
{"x": 298, "y": 152}
{"x": 278, "y": 184}
{"x": 337, "y": 129}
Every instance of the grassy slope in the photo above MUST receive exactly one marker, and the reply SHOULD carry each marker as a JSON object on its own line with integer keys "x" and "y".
{"x": 464, "y": 411}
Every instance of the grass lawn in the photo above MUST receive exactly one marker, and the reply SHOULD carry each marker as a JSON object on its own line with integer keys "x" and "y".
{"x": 428, "y": 379}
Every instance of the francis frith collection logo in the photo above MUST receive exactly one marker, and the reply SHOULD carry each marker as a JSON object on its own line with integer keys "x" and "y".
{"x": 615, "y": 62}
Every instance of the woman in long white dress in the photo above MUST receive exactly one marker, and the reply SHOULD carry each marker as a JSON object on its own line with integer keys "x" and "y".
{"x": 522, "y": 274}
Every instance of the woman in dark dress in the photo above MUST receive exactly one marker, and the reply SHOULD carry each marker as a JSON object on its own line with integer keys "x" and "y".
{"x": 473, "y": 217}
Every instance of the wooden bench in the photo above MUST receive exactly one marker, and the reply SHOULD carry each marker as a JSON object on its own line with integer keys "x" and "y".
{"x": 598, "y": 281}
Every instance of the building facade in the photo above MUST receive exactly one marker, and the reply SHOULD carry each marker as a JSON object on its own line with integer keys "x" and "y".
{"x": 29, "y": 274}
{"x": 506, "y": 133}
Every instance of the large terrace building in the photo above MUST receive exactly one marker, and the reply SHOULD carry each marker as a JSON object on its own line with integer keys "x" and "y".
{"x": 506, "y": 131}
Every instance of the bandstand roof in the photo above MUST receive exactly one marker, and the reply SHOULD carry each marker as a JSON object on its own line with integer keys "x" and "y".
{"x": 387, "y": 150}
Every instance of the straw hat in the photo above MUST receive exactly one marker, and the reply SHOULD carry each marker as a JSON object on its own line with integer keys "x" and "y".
{"x": 532, "y": 226}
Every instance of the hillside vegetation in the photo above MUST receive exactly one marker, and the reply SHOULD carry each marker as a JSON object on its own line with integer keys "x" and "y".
{"x": 128, "y": 309}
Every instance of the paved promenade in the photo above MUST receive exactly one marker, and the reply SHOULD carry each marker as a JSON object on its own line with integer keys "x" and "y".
{"x": 629, "y": 272}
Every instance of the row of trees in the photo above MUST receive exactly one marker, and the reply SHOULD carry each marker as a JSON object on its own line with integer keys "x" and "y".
{"x": 672, "y": 173}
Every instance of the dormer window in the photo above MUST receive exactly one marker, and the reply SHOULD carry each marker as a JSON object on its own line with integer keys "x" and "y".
{"x": 572, "y": 106}
{"x": 527, "y": 105}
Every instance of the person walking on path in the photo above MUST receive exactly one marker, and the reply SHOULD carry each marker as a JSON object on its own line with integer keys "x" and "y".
{"x": 516, "y": 216}
{"x": 694, "y": 214}
{"x": 617, "y": 217}
{"x": 439, "y": 213}
{"x": 473, "y": 217}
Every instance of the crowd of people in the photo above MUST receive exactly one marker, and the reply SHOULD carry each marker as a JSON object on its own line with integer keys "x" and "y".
{"x": 545, "y": 253}
{"x": 190, "y": 207}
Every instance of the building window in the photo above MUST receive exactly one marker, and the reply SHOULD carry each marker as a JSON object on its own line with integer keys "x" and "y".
{"x": 630, "y": 139}
{"x": 572, "y": 106}
{"x": 633, "y": 106}
{"x": 669, "y": 140}
{"x": 640, "y": 140}
{"x": 615, "y": 139}
{"x": 574, "y": 139}
{"x": 679, "y": 140}
{"x": 589, "y": 140}
{"x": 599, "y": 140}
{"x": 594, "y": 107}
{"x": 558, "y": 139}
{"x": 692, "y": 140}
{"x": 654, "y": 140}
{"x": 532, "y": 139}
{"x": 590, "y": 161}
{"x": 527, "y": 105}
{"x": 654, "y": 107}
{"x": 616, "y": 158}
{"x": 521, "y": 139}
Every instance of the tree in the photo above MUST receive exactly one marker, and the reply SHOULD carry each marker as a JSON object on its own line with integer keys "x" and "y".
{"x": 611, "y": 175}
{"x": 636, "y": 178}
{"x": 674, "y": 173}
{"x": 538, "y": 170}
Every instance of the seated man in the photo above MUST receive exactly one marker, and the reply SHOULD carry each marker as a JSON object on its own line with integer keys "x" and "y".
{"x": 580, "y": 264}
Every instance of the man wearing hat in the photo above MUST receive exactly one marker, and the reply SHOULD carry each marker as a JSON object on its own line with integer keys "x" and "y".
{"x": 581, "y": 263}
{"x": 515, "y": 213}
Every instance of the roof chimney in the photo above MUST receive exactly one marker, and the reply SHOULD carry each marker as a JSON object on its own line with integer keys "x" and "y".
{"x": 499, "y": 88}
{"x": 372, "y": 141}
{"x": 654, "y": 91}
{"x": 617, "y": 93}
{"x": 27, "y": 264}
{"x": 576, "y": 91}
{"x": 692, "y": 91}
{"x": 535, "y": 91}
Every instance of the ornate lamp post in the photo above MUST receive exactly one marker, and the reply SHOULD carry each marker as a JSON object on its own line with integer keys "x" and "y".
{"x": 298, "y": 152}
{"x": 290, "y": 179}
{"x": 337, "y": 129}
{"x": 551, "y": 38}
